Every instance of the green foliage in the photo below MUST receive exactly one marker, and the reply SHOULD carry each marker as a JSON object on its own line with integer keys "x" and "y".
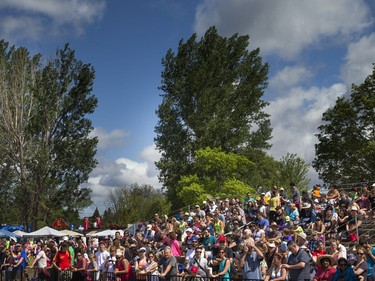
{"x": 95, "y": 215}
{"x": 293, "y": 169}
{"x": 217, "y": 174}
{"x": 346, "y": 151}
{"x": 212, "y": 92}
{"x": 134, "y": 203}
{"x": 44, "y": 133}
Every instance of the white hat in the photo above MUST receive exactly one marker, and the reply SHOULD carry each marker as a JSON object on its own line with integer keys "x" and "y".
{"x": 272, "y": 245}
{"x": 142, "y": 249}
{"x": 189, "y": 230}
{"x": 354, "y": 208}
{"x": 65, "y": 238}
{"x": 302, "y": 235}
{"x": 119, "y": 253}
{"x": 373, "y": 185}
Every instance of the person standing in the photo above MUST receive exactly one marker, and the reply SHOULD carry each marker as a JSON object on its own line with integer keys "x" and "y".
{"x": 41, "y": 262}
{"x": 296, "y": 196}
{"x": 298, "y": 263}
{"x": 200, "y": 262}
{"x": 169, "y": 264}
{"x": 224, "y": 267}
{"x": 250, "y": 261}
{"x": 276, "y": 271}
{"x": 102, "y": 256}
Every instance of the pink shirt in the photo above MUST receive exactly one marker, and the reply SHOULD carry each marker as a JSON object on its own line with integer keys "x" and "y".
{"x": 175, "y": 248}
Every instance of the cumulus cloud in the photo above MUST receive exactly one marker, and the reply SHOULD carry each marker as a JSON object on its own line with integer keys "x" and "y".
{"x": 121, "y": 172}
{"x": 285, "y": 27}
{"x": 48, "y": 17}
{"x": 114, "y": 139}
{"x": 296, "y": 116}
{"x": 358, "y": 60}
{"x": 288, "y": 77}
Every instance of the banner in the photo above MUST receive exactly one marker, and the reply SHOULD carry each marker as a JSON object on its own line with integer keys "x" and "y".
{"x": 86, "y": 223}
{"x": 59, "y": 223}
{"x": 99, "y": 222}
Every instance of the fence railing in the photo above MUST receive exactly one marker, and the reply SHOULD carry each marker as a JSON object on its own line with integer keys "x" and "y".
{"x": 68, "y": 275}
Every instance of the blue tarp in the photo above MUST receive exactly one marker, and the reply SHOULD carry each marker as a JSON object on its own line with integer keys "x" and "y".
{"x": 6, "y": 233}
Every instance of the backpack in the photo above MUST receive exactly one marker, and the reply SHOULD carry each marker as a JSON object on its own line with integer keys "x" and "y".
{"x": 233, "y": 273}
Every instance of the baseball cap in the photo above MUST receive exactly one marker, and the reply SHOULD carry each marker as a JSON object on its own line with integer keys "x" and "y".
{"x": 222, "y": 238}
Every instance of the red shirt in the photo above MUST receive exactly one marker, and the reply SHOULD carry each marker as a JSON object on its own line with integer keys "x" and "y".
{"x": 63, "y": 259}
{"x": 318, "y": 253}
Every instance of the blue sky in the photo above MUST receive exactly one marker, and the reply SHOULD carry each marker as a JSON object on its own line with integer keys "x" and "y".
{"x": 315, "y": 49}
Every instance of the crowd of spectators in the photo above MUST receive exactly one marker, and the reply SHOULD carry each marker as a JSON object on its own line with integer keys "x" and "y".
{"x": 278, "y": 235}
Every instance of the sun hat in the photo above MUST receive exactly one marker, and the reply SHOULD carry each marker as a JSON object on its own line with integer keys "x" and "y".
{"x": 332, "y": 261}
{"x": 305, "y": 205}
{"x": 119, "y": 253}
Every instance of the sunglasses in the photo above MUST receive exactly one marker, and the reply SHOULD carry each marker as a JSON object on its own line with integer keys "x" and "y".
{"x": 150, "y": 256}
{"x": 342, "y": 264}
{"x": 221, "y": 252}
{"x": 198, "y": 252}
{"x": 360, "y": 253}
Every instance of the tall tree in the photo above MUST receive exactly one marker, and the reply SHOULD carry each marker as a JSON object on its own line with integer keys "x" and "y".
{"x": 212, "y": 98}
{"x": 346, "y": 148}
{"x": 137, "y": 202}
{"x": 293, "y": 169}
{"x": 44, "y": 132}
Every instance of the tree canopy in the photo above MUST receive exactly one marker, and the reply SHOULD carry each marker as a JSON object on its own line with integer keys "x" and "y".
{"x": 345, "y": 151}
{"x": 46, "y": 149}
{"x": 133, "y": 203}
{"x": 212, "y": 97}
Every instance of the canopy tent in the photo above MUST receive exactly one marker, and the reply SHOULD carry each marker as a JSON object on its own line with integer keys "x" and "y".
{"x": 5, "y": 233}
{"x": 108, "y": 232}
{"x": 45, "y": 232}
{"x": 19, "y": 232}
{"x": 91, "y": 233}
{"x": 71, "y": 233}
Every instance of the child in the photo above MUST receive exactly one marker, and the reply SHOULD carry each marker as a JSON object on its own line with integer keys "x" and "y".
{"x": 93, "y": 269}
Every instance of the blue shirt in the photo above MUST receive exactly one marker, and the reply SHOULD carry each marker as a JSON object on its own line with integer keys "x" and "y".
{"x": 251, "y": 268}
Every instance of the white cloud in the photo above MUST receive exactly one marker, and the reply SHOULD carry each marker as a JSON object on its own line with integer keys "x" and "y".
{"x": 121, "y": 172}
{"x": 16, "y": 27}
{"x": 359, "y": 59}
{"x": 110, "y": 140}
{"x": 296, "y": 116}
{"x": 289, "y": 77}
{"x": 283, "y": 27}
{"x": 57, "y": 16}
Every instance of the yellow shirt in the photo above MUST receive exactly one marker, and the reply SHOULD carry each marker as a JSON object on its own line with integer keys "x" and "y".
{"x": 273, "y": 203}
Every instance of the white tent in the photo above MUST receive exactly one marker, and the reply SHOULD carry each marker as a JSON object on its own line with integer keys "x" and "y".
{"x": 108, "y": 232}
{"x": 71, "y": 233}
{"x": 19, "y": 232}
{"x": 45, "y": 232}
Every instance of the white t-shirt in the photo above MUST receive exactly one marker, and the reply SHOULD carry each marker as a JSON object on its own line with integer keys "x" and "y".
{"x": 101, "y": 258}
{"x": 342, "y": 249}
{"x": 42, "y": 259}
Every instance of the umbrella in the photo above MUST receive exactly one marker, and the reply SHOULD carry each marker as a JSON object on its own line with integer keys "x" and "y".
{"x": 71, "y": 233}
{"x": 5, "y": 233}
{"x": 45, "y": 232}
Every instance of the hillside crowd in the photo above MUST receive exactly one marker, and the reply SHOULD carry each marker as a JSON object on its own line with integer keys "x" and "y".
{"x": 270, "y": 237}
